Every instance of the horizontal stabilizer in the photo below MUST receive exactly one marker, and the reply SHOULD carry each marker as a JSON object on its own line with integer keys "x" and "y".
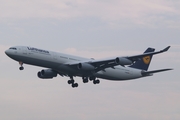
{"x": 166, "y": 49}
{"x": 147, "y": 73}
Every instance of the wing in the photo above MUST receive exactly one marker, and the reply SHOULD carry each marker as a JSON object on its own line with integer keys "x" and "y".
{"x": 137, "y": 57}
{"x": 98, "y": 65}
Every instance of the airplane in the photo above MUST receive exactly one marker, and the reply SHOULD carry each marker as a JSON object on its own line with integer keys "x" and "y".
{"x": 116, "y": 69}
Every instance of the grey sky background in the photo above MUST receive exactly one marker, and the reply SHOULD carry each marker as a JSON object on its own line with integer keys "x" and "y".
{"x": 92, "y": 29}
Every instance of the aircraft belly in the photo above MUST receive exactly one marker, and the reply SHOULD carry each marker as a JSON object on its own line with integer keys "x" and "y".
{"x": 119, "y": 74}
{"x": 69, "y": 70}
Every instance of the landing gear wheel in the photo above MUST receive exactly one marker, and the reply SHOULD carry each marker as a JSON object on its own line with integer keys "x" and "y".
{"x": 69, "y": 81}
{"x": 92, "y": 78}
{"x": 72, "y": 81}
{"x": 21, "y": 68}
{"x": 96, "y": 81}
{"x": 75, "y": 85}
{"x": 85, "y": 81}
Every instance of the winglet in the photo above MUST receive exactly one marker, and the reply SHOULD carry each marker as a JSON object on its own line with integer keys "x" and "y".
{"x": 166, "y": 49}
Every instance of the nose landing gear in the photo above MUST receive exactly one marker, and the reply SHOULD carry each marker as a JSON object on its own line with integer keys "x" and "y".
{"x": 21, "y": 66}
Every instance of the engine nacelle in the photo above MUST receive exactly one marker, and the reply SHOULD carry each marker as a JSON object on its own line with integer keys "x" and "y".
{"x": 85, "y": 66}
{"x": 46, "y": 74}
{"x": 123, "y": 61}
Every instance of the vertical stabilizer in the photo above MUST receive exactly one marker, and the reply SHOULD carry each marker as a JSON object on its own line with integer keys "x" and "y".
{"x": 144, "y": 62}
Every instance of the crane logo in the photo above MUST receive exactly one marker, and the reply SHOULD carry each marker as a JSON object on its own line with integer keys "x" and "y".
{"x": 147, "y": 59}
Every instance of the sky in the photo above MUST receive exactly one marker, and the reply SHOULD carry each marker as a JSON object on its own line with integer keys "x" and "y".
{"x": 94, "y": 29}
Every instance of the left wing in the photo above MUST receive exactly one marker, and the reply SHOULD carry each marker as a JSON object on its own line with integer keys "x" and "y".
{"x": 98, "y": 65}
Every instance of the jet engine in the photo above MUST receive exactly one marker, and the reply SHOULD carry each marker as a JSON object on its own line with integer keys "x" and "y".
{"x": 123, "y": 61}
{"x": 85, "y": 66}
{"x": 46, "y": 74}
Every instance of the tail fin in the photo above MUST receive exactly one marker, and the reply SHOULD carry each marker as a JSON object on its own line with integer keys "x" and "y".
{"x": 144, "y": 63}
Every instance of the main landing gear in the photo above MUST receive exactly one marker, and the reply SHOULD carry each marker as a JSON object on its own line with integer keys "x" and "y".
{"x": 71, "y": 81}
{"x": 92, "y": 78}
{"x": 21, "y": 66}
{"x": 85, "y": 80}
{"x": 95, "y": 81}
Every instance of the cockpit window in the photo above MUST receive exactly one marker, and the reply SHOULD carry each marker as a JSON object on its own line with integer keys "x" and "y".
{"x": 13, "y": 48}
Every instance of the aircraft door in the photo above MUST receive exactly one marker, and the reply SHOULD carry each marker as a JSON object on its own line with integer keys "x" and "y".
{"x": 24, "y": 51}
{"x": 55, "y": 57}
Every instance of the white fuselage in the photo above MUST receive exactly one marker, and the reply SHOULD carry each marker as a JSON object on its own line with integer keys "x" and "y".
{"x": 60, "y": 62}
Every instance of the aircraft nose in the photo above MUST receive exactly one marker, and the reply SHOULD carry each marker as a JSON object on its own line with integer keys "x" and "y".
{"x": 7, "y": 52}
